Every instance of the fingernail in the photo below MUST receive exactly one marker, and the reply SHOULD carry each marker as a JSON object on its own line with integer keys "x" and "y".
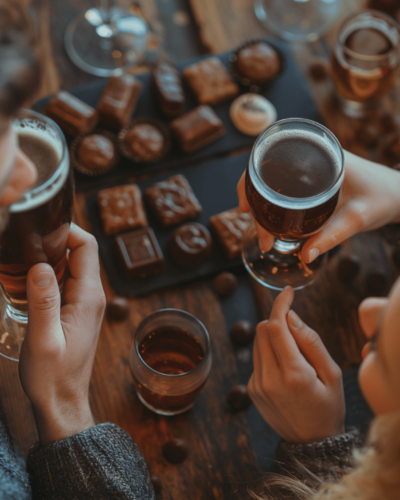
{"x": 42, "y": 279}
{"x": 313, "y": 254}
{"x": 294, "y": 320}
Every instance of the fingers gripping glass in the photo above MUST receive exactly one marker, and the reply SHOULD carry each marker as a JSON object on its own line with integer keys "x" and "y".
{"x": 293, "y": 185}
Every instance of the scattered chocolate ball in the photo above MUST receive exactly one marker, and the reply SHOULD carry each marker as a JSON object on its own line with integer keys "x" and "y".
{"x": 348, "y": 268}
{"x": 318, "y": 71}
{"x": 368, "y": 134}
{"x": 156, "y": 482}
{"x": 238, "y": 398}
{"x": 175, "y": 451}
{"x": 118, "y": 309}
{"x": 243, "y": 332}
{"x": 376, "y": 283}
{"x": 225, "y": 283}
{"x": 396, "y": 258}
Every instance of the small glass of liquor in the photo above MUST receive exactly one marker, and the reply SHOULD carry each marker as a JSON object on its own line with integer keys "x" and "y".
{"x": 170, "y": 361}
{"x": 365, "y": 60}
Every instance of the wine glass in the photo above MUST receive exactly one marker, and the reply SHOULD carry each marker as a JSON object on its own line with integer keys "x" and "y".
{"x": 106, "y": 41}
{"x": 294, "y": 183}
{"x": 298, "y": 20}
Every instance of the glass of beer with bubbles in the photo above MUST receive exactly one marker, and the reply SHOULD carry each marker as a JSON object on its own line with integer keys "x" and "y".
{"x": 294, "y": 183}
{"x": 38, "y": 225}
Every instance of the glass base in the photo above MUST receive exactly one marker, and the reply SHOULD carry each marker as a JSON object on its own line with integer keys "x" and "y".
{"x": 275, "y": 269}
{"x": 106, "y": 44}
{"x": 356, "y": 109}
{"x": 12, "y": 332}
{"x": 162, "y": 412}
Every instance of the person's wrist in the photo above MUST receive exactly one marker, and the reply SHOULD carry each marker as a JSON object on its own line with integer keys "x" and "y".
{"x": 62, "y": 421}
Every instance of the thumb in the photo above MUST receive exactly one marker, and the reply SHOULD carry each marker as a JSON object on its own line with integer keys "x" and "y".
{"x": 44, "y": 302}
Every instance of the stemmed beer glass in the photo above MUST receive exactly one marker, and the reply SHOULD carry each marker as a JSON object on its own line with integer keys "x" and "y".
{"x": 294, "y": 183}
{"x": 38, "y": 226}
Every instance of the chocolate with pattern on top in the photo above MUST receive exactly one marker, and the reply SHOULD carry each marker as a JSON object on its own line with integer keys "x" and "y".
{"x": 140, "y": 253}
{"x": 168, "y": 86}
{"x": 210, "y": 81}
{"x": 121, "y": 208}
{"x": 190, "y": 245}
{"x": 118, "y": 100}
{"x": 229, "y": 228}
{"x": 173, "y": 201}
{"x": 197, "y": 128}
{"x": 72, "y": 115}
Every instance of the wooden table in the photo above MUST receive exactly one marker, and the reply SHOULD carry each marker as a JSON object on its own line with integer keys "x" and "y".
{"x": 222, "y": 457}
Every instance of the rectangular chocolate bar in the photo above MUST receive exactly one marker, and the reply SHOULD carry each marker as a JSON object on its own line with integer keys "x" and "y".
{"x": 229, "y": 227}
{"x": 168, "y": 86}
{"x": 210, "y": 81}
{"x": 140, "y": 253}
{"x": 197, "y": 128}
{"x": 121, "y": 208}
{"x": 72, "y": 115}
{"x": 118, "y": 100}
{"x": 173, "y": 201}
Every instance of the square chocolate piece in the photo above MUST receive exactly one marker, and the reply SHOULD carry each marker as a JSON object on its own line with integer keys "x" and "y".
{"x": 72, "y": 115}
{"x": 197, "y": 128}
{"x": 173, "y": 201}
{"x": 118, "y": 100}
{"x": 140, "y": 253}
{"x": 229, "y": 228}
{"x": 210, "y": 81}
{"x": 121, "y": 208}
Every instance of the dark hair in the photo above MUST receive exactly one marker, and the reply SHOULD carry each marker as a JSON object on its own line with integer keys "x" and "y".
{"x": 19, "y": 65}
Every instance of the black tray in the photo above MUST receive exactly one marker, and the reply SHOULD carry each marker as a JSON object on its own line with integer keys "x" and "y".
{"x": 214, "y": 184}
{"x": 289, "y": 93}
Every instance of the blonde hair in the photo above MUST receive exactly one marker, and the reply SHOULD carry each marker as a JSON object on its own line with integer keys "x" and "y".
{"x": 375, "y": 476}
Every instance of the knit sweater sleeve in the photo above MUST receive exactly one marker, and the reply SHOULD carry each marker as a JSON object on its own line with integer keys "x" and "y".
{"x": 102, "y": 462}
{"x": 326, "y": 458}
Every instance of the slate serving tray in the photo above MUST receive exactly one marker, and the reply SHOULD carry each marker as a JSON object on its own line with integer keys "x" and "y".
{"x": 289, "y": 93}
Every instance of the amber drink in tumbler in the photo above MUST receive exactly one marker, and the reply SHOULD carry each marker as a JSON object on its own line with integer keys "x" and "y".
{"x": 170, "y": 361}
{"x": 38, "y": 225}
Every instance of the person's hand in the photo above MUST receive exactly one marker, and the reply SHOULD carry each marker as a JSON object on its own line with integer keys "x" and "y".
{"x": 296, "y": 385}
{"x": 371, "y": 199}
{"x": 58, "y": 351}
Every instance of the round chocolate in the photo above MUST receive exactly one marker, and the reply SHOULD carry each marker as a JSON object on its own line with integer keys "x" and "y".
{"x": 318, "y": 71}
{"x": 225, "y": 283}
{"x": 238, "y": 398}
{"x": 258, "y": 62}
{"x": 145, "y": 141}
{"x": 396, "y": 258}
{"x": 96, "y": 152}
{"x": 117, "y": 309}
{"x": 190, "y": 245}
{"x": 376, "y": 283}
{"x": 175, "y": 451}
{"x": 348, "y": 268}
{"x": 252, "y": 113}
{"x": 243, "y": 332}
{"x": 156, "y": 482}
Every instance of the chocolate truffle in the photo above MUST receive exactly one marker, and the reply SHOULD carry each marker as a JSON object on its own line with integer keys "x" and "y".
{"x": 145, "y": 141}
{"x": 173, "y": 201}
{"x": 225, "y": 283}
{"x": 190, "y": 245}
{"x": 121, "y": 208}
{"x": 348, "y": 268}
{"x": 96, "y": 152}
{"x": 318, "y": 71}
{"x": 252, "y": 113}
{"x": 230, "y": 227}
{"x": 210, "y": 81}
{"x": 258, "y": 63}
{"x": 243, "y": 332}
{"x": 175, "y": 451}
{"x": 238, "y": 398}
{"x": 156, "y": 482}
{"x": 140, "y": 253}
{"x": 376, "y": 283}
{"x": 117, "y": 309}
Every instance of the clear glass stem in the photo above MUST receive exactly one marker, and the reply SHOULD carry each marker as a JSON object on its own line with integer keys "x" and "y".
{"x": 16, "y": 315}
{"x": 286, "y": 247}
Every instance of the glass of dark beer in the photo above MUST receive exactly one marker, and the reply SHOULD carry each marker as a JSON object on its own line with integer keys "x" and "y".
{"x": 365, "y": 60}
{"x": 294, "y": 183}
{"x": 38, "y": 225}
{"x": 170, "y": 361}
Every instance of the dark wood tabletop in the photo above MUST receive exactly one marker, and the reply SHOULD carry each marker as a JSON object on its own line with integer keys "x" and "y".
{"x": 223, "y": 445}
